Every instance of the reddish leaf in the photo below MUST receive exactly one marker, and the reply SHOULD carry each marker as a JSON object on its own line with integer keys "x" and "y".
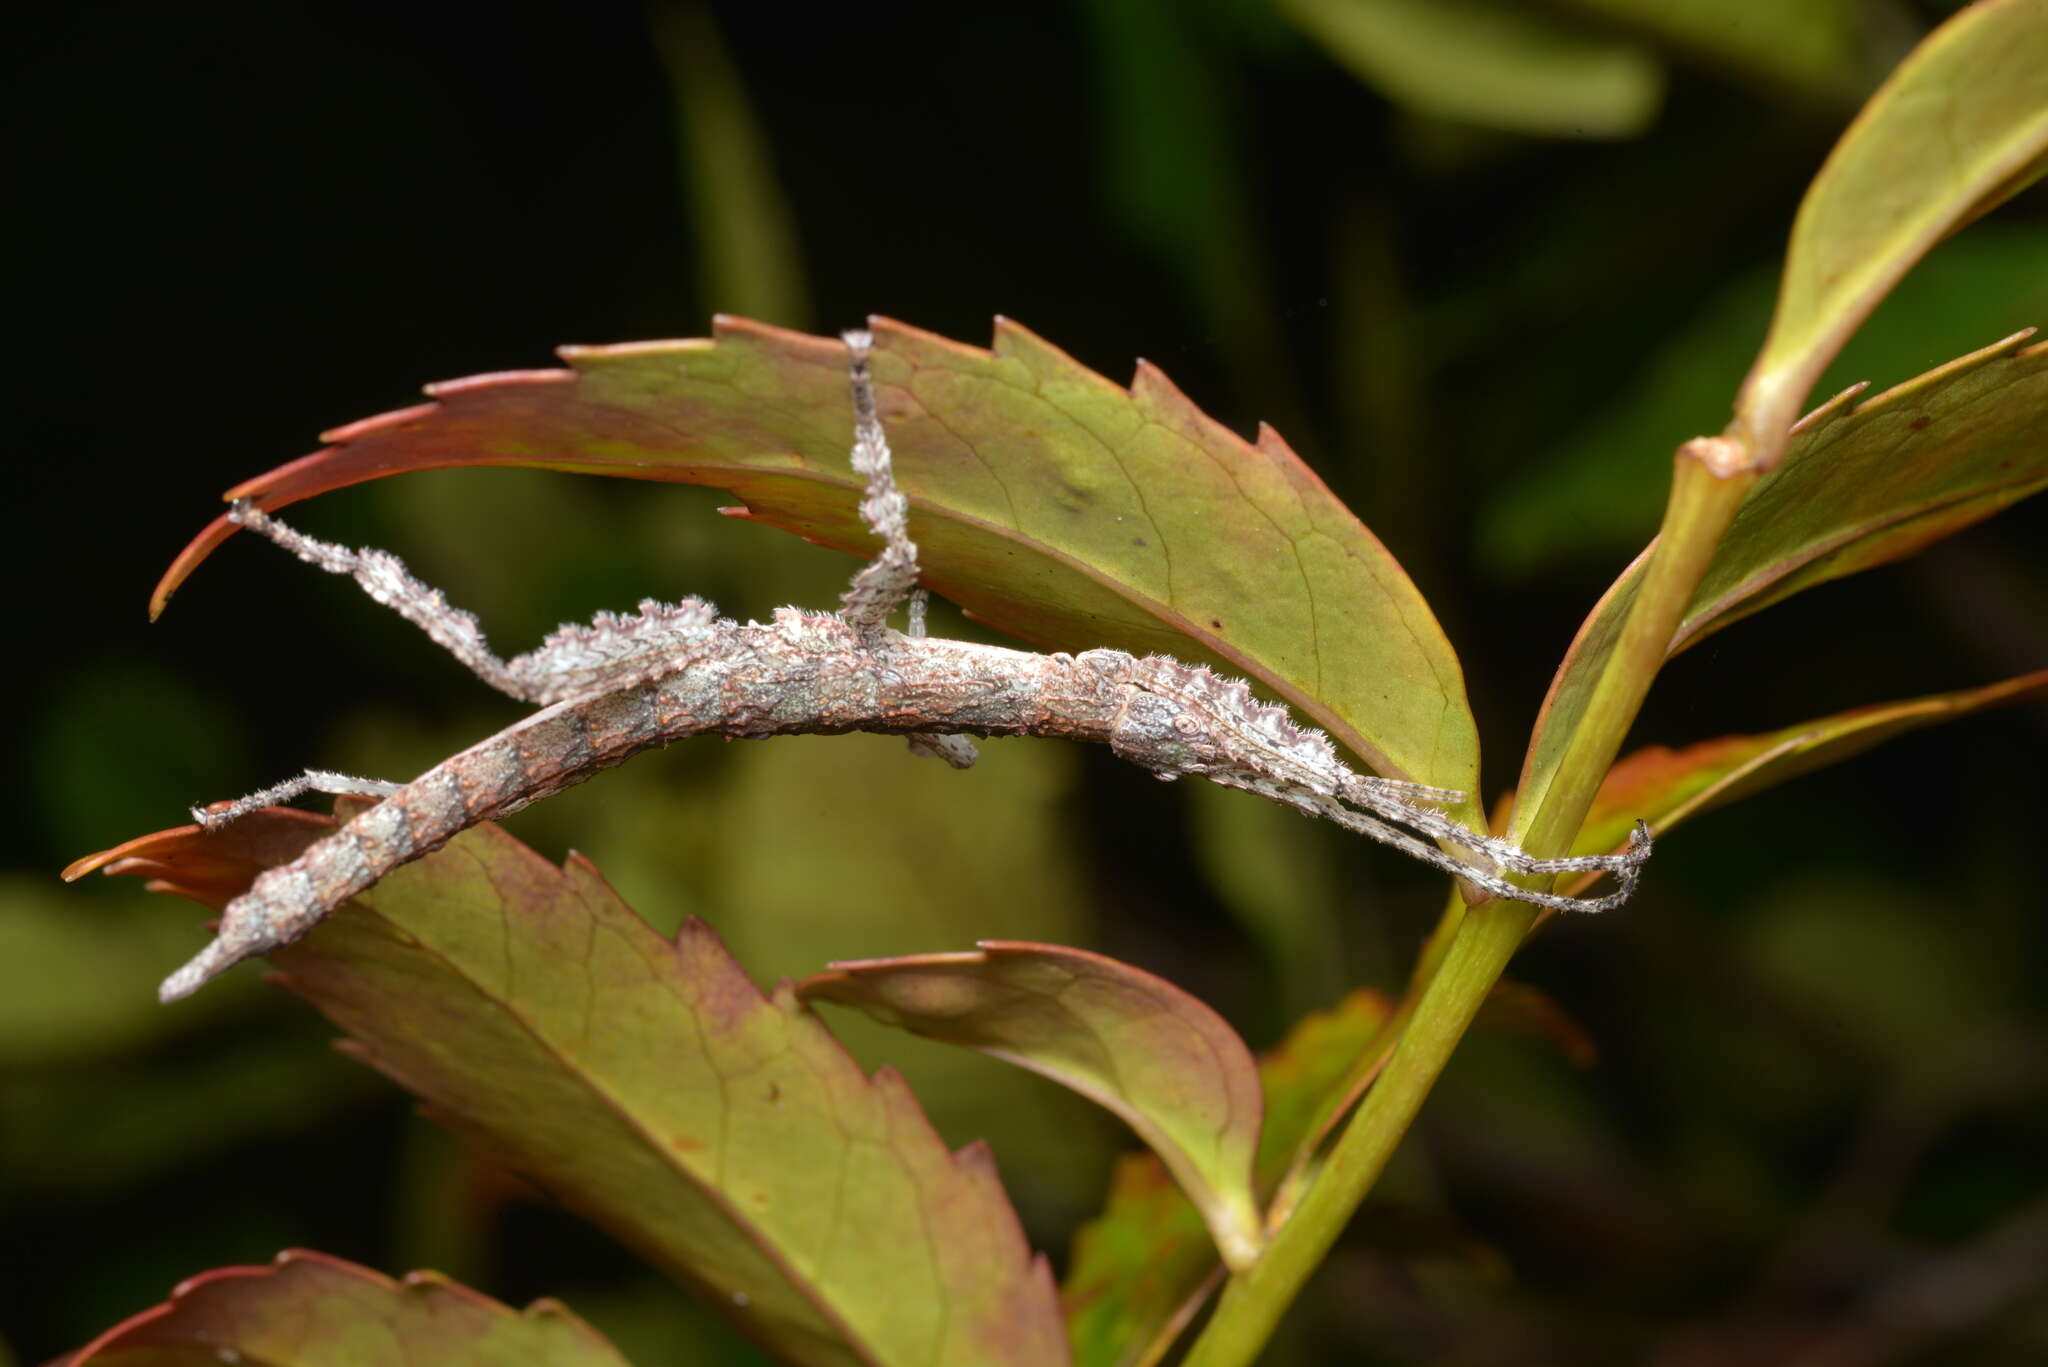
{"x": 310, "y": 1310}
{"x": 211, "y": 868}
{"x": 1143, "y": 1267}
{"x": 1046, "y": 499}
{"x": 649, "y": 1085}
{"x": 1165, "y": 1063}
{"x": 1667, "y": 786}
{"x": 1528, "y": 1010}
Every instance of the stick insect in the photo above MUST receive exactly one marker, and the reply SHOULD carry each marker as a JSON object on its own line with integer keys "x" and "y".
{"x": 625, "y": 684}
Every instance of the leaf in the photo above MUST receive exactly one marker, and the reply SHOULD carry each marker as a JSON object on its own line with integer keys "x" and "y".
{"x": 310, "y": 1310}
{"x": 1490, "y": 63}
{"x": 1879, "y": 481}
{"x": 1960, "y": 126}
{"x": 1142, "y": 1268}
{"x": 1134, "y": 1043}
{"x": 1665, "y": 786}
{"x": 1812, "y": 48}
{"x": 863, "y": 812}
{"x": 1045, "y": 499}
{"x": 650, "y": 1086}
{"x": 1860, "y": 486}
{"x": 211, "y": 868}
{"x": 1524, "y": 1009}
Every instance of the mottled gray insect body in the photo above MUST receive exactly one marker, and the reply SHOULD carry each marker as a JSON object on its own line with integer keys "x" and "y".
{"x": 623, "y": 684}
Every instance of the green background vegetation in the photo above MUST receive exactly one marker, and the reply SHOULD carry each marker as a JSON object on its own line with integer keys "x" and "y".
{"x": 1820, "y": 1029}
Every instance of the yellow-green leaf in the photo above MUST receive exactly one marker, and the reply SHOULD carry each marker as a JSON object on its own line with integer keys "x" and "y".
{"x": 647, "y": 1084}
{"x": 1818, "y": 49}
{"x": 1162, "y": 1061}
{"x": 1959, "y": 127}
{"x": 1665, "y": 787}
{"x": 1490, "y": 62}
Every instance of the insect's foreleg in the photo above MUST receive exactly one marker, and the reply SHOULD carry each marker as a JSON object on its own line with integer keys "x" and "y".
{"x": 385, "y": 578}
{"x": 888, "y": 579}
{"x": 892, "y": 576}
{"x": 215, "y": 815}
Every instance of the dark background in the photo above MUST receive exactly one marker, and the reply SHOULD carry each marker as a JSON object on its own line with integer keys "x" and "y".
{"x": 1818, "y": 1118}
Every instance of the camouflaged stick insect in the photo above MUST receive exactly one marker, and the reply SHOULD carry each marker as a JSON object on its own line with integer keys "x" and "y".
{"x": 625, "y": 684}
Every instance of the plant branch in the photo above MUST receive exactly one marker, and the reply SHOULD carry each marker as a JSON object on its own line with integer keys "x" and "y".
{"x": 1710, "y": 479}
{"x": 1253, "y": 1303}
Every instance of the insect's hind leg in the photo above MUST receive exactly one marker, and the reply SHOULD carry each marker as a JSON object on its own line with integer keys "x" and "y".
{"x": 215, "y": 815}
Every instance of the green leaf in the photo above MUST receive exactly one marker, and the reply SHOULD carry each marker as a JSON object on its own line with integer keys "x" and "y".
{"x": 1045, "y": 499}
{"x": 863, "y": 812}
{"x": 1958, "y": 128}
{"x": 1862, "y": 484}
{"x": 650, "y": 1086}
{"x": 1491, "y": 63}
{"x": 1873, "y": 483}
{"x": 1665, "y": 786}
{"x": 310, "y": 1310}
{"x": 1814, "y": 48}
{"x": 1134, "y": 1043}
{"x": 1142, "y": 1268}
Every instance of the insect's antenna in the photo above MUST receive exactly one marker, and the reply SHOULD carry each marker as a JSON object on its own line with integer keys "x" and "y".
{"x": 887, "y": 580}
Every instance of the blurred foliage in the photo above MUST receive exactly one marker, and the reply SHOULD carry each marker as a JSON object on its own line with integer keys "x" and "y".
{"x": 1820, "y": 1029}
{"x": 1590, "y": 499}
{"x": 1494, "y": 63}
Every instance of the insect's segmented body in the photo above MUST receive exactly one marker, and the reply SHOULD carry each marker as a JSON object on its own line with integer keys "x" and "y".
{"x": 814, "y": 673}
{"x": 800, "y": 673}
{"x": 624, "y": 684}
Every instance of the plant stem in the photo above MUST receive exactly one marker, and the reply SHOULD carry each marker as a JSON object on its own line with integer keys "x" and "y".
{"x": 1252, "y": 1303}
{"x": 1710, "y": 480}
{"x": 1704, "y": 497}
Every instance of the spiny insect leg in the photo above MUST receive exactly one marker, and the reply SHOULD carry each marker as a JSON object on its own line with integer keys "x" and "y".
{"x": 889, "y": 577}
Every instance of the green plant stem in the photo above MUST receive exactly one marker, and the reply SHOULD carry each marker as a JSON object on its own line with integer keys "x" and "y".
{"x": 1253, "y": 1303}
{"x": 1709, "y": 483}
{"x": 1703, "y": 502}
